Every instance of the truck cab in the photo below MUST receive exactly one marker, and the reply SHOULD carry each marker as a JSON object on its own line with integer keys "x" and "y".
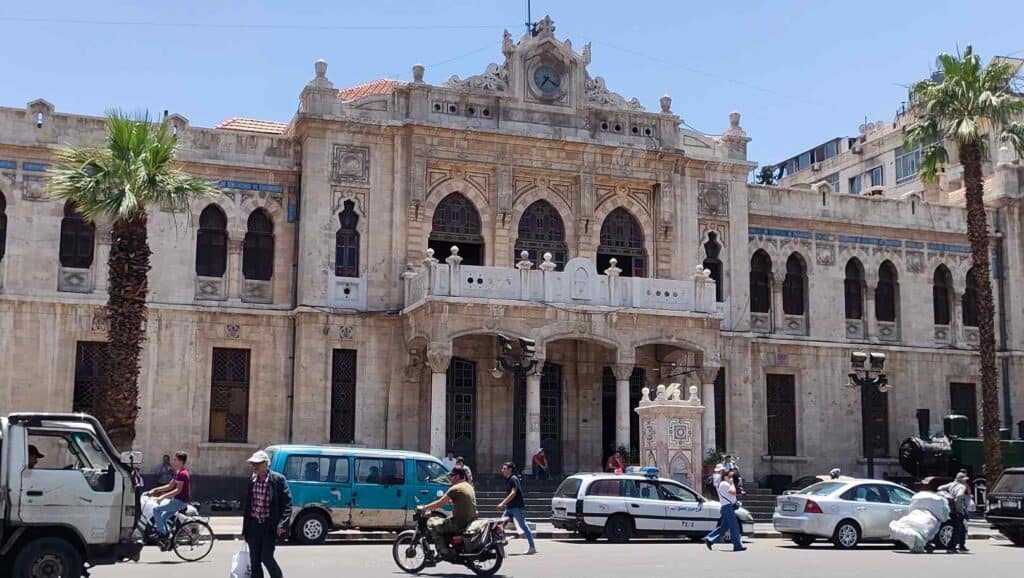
{"x": 67, "y": 498}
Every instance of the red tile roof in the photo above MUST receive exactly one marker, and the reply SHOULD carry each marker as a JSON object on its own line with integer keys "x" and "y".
{"x": 372, "y": 88}
{"x": 253, "y": 125}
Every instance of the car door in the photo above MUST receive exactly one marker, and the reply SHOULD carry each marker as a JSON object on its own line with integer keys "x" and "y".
{"x": 686, "y": 512}
{"x": 321, "y": 482}
{"x": 899, "y": 502}
{"x": 604, "y": 498}
{"x": 379, "y": 493}
{"x": 869, "y": 505}
{"x": 644, "y": 504}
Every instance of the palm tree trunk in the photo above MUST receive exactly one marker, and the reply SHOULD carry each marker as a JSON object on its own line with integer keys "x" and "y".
{"x": 128, "y": 283}
{"x": 977, "y": 234}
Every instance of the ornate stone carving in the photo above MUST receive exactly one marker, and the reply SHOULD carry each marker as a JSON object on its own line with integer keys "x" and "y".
{"x": 100, "y": 322}
{"x": 493, "y": 79}
{"x": 598, "y": 95}
{"x": 825, "y": 255}
{"x": 74, "y": 280}
{"x": 713, "y": 199}
{"x": 680, "y": 433}
{"x": 233, "y": 331}
{"x": 915, "y": 262}
{"x": 438, "y": 359}
{"x": 507, "y": 46}
{"x": 545, "y": 28}
{"x": 414, "y": 367}
{"x": 350, "y": 164}
{"x": 346, "y": 332}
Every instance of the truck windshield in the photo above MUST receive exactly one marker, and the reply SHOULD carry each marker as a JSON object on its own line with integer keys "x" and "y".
{"x": 90, "y": 451}
{"x": 1010, "y": 483}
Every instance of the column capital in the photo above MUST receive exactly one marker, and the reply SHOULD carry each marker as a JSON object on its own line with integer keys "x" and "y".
{"x": 438, "y": 358}
{"x": 709, "y": 374}
{"x": 622, "y": 371}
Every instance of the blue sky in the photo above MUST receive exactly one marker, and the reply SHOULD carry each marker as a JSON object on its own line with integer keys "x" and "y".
{"x": 800, "y": 71}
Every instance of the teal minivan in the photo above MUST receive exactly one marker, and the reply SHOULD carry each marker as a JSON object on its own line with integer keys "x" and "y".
{"x": 344, "y": 487}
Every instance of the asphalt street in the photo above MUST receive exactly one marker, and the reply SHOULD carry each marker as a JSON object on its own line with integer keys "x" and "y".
{"x": 566, "y": 557}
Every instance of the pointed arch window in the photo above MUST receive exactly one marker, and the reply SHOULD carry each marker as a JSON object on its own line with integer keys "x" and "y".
{"x": 457, "y": 222}
{"x": 212, "y": 243}
{"x": 794, "y": 287}
{"x": 969, "y": 301}
{"x": 853, "y": 289}
{"x": 3, "y": 226}
{"x": 77, "y": 238}
{"x": 258, "y": 248}
{"x": 886, "y": 293}
{"x": 541, "y": 230}
{"x": 622, "y": 239}
{"x": 712, "y": 262}
{"x": 760, "y": 282}
{"x": 942, "y": 287}
{"x": 346, "y": 242}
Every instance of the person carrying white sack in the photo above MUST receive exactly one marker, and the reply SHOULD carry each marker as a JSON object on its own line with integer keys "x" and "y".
{"x": 927, "y": 512}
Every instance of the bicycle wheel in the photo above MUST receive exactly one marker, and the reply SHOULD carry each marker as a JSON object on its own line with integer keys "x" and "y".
{"x": 193, "y": 540}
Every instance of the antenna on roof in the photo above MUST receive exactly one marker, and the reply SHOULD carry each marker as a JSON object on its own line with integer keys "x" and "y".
{"x": 530, "y": 24}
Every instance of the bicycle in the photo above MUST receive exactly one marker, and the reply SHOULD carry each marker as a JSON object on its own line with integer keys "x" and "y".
{"x": 188, "y": 534}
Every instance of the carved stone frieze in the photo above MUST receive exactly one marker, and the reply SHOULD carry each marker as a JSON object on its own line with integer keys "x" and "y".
{"x": 713, "y": 199}
{"x": 598, "y": 95}
{"x": 493, "y": 79}
{"x": 350, "y": 164}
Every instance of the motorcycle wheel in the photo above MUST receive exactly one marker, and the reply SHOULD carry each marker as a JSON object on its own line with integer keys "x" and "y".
{"x": 408, "y": 553}
{"x": 488, "y": 567}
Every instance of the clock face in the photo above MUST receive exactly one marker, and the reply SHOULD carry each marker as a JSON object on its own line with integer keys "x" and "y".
{"x": 547, "y": 80}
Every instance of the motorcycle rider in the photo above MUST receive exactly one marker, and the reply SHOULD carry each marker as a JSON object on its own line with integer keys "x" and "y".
{"x": 463, "y": 500}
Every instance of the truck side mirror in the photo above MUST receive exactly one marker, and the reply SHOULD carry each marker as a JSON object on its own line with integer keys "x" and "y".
{"x": 131, "y": 458}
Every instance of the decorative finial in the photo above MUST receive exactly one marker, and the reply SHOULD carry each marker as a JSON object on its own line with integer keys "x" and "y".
{"x": 524, "y": 255}
{"x": 417, "y": 73}
{"x": 321, "y": 68}
{"x": 613, "y": 261}
{"x": 666, "y": 104}
{"x": 455, "y": 249}
{"x": 430, "y": 252}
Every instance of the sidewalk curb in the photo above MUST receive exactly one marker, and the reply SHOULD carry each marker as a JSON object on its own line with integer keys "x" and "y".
{"x": 388, "y": 537}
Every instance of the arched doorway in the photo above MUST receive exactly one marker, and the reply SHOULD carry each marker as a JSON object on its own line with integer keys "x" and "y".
{"x": 622, "y": 238}
{"x": 460, "y": 429}
{"x": 457, "y": 222}
{"x": 550, "y": 419}
{"x": 541, "y": 230}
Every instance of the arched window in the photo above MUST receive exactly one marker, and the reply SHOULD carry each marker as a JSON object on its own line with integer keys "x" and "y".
{"x": 794, "y": 287}
{"x": 712, "y": 263}
{"x": 942, "y": 286}
{"x": 760, "y": 282}
{"x": 3, "y": 226}
{"x": 457, "y": 222}
{"x": 541, "y": 231}
{"x": 258, "y": 248}
{"x": 969, "y": 301}
{"x": 212, "y": 243}
{"x": 886, "y": 293}
{"x": 346, "y": 242}
{"x": 853, "y": 289}
{"x": 622, "y": 239}
{"x": 77, "y": 238}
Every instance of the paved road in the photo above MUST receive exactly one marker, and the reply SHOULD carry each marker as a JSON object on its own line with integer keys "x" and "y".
{"x": 561, "y": 558}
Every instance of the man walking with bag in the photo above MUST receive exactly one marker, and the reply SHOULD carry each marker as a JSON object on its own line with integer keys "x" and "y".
{"x": 267, "y": 513}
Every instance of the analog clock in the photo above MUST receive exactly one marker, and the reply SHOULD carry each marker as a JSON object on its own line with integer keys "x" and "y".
{"x": 547, "y": 80}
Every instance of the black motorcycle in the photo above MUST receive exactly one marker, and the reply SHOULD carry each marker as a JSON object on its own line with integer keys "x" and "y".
{"x": 482, "y": 550}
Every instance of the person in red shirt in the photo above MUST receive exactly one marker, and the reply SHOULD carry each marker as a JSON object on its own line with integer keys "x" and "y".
{"x": 177, "y": 492}
{"x": 616, "y": 462}
{"x": 540, "y": 465}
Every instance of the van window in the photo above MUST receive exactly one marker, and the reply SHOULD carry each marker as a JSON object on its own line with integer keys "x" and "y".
{"x": 431, "y": 472}
{"x": 307, "y": 468}
{"x": 605, "y": 488}
{"x": 570, "y": 488}
{"x": 341, "y": 470}
{"x": 380, "y": 471}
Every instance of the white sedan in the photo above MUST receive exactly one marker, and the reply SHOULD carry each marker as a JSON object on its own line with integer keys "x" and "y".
{"x": 847, "y": 512}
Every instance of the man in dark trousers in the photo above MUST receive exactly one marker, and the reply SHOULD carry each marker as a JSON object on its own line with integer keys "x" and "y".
{"x": 267, "y": 512}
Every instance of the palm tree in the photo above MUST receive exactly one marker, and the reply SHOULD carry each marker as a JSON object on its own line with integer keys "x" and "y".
{"x": 131, "y": 172}
{"x": 962, "y": 107}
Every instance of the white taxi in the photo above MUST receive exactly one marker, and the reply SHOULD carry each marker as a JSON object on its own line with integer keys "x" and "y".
{"x": 621, "y": 506}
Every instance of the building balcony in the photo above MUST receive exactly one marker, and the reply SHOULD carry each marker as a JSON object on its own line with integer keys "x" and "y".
{"x": 579, "y": 284}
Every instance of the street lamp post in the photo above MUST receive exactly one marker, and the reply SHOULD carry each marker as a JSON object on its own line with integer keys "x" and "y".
{"x": 868, "y": 371}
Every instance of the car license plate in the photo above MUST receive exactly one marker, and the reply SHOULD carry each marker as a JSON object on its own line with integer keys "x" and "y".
{"x": 1010, "y": 504}
{"x": 788, "y": 507}
{"x": 560, "y": 512}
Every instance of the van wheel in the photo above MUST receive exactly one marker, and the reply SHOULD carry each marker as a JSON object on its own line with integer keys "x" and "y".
{"x": 48, "y": 557}
{"x": 618, "y": 529}
{"x": 310, "y": 528}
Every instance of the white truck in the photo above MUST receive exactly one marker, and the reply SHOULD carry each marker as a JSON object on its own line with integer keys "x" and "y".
{"x": 67, "y": 498}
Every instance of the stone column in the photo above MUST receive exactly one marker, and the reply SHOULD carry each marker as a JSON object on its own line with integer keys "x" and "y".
{"x": 533, "y": 408}
{"x": 957, "y": 335}
{"x": 870, "y": 321}
{"x": 438, "y": 360}
{"x": 777, "y": 314}
{"x": 234, "y": 272}
{"x": 100, "y": 265}
{"x": 622, "y": 372}
{"x": 708, "y": 375}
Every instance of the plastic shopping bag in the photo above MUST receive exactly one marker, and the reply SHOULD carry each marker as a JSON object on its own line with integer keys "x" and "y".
{"x": 240, "y": 563}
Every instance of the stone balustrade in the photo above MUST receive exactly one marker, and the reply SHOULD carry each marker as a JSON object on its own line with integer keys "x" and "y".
{"x": 577, "y": 284}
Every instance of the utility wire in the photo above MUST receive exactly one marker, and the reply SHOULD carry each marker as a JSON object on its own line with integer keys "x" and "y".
{"x": 243, "y": 26}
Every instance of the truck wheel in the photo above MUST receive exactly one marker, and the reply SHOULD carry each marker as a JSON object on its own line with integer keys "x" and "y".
{"x": 48, "y": 557}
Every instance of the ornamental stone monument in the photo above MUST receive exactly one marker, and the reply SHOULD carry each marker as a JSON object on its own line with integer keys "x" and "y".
{"x": 670, "y": 433}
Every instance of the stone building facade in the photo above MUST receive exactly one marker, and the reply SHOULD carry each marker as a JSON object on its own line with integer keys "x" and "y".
{"x": 354, "y": 278}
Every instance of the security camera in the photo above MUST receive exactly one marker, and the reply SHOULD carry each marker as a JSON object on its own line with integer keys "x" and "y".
{"x": 877, "y": 361}
{"x": 858, "y": 359}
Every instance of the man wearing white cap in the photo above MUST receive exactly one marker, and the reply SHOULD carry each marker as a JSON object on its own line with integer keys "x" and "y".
{"x": 957, "y": 490}
{"x": 267, "y": 512}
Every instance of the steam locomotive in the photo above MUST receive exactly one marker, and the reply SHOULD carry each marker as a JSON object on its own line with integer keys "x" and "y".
{"x": 934, "y": 460}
